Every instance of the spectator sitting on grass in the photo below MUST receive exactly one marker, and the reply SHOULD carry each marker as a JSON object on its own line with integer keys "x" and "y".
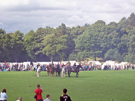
{"x": 20, "y": 99}
{"x": 3, "y": 95}
{"x": 47, "y": 98}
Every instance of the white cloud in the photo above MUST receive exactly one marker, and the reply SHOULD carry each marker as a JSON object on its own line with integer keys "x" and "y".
{"x": 25, "y": 15}
{"x": 1, "y": 23}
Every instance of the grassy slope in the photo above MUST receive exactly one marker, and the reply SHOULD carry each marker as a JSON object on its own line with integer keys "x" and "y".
{"x": 89, "y": 86}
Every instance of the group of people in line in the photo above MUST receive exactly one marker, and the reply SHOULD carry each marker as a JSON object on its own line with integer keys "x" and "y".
{"x": 38, "y": 92}
{"x": 30, "y": 66}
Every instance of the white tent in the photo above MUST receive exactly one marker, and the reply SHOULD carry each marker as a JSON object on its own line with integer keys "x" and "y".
{"x": 124, "y": 64}
{"x": 73, "y": 62}
{"x": 111, "y": 63}
{"x": 94, "y": 62}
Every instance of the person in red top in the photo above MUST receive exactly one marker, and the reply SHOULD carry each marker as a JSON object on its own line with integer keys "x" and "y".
{"x": 38, "y": 92}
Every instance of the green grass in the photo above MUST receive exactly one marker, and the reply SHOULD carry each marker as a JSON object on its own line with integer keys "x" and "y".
{"x": 89, "y": 86}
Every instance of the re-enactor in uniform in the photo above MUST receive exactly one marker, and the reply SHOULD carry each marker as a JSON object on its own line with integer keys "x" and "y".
{"x": 65, "y": 97}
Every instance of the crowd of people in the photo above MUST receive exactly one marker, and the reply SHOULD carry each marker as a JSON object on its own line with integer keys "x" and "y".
{"x": 38, "y": 96}
{"x": 30, "y": 66}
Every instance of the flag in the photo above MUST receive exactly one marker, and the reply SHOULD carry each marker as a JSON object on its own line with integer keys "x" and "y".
{"x": 62, "y": 61}
{"x": 51, "y": 61}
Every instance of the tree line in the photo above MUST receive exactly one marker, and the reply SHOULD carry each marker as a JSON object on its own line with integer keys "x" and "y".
{"x": 113, "y": 41}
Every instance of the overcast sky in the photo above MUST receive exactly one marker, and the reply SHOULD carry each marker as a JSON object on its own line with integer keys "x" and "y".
{"x": 26, "y": 15}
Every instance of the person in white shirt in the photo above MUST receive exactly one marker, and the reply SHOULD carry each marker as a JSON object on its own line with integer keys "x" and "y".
{"x": 3, "y": 95}
{"x": 47, "y": 98}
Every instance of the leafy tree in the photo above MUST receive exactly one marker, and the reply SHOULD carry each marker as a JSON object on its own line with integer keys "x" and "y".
{"x": 2, "y": 37}
{"x": 17, "y": 46}
{"x": 29, "y": 44}
{"x": 115, "y": 41}
{"x": 58, "y": 44}
{"x": 90, "y": 40}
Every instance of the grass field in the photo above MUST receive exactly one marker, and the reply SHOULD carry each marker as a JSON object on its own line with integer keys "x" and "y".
{"x": 89, "y": 86}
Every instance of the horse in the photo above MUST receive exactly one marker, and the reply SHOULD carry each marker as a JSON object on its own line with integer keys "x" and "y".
{"x": 50, "y": 69}
{"x": 38, "y": 70}
{"x": 74, "y": 69}
{"x": 63, "y": 72}
{"x": 57, "y": 70}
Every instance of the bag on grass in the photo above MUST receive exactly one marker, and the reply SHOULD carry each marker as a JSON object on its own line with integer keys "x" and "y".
{"x": 35, "y": 96}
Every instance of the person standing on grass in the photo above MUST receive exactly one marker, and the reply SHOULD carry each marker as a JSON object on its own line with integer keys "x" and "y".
{"x": 47, "y": 98}
{"x": 3, "y": 95}
{"x": 65, "y": 97}
{"x": 38, "y": 92}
